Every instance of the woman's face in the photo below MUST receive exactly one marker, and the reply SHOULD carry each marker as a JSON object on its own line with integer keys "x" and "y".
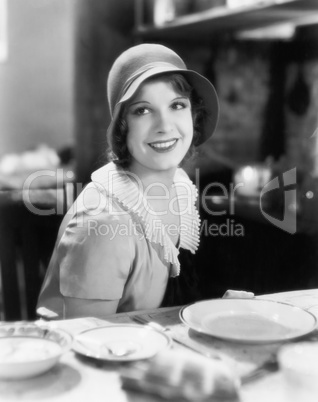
{"x": 160, "y": 126}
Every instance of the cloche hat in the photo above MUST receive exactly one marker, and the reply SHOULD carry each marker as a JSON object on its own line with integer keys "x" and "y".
{"x": 143, "y": 61}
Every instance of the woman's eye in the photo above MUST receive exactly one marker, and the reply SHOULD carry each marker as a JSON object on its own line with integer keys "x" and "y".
{"x": 179, "y": 105}
{"x": 140, "y": 111}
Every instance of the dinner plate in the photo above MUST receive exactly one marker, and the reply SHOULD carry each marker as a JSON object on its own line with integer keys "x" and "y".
{"x": 121, "y": 342}
{"x": 248, "y": 320}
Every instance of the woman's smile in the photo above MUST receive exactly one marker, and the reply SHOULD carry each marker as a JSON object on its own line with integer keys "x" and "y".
{"x": 163, "y": 146}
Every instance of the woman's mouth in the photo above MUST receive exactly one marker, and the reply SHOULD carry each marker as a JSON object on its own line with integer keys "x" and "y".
{"x": 163, "y": 146}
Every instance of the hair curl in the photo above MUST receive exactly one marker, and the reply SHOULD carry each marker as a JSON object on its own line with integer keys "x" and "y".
{"x": 117, "y": 143}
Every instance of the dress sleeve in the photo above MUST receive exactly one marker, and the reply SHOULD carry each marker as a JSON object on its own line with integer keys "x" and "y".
{"x": 95, "y": 257}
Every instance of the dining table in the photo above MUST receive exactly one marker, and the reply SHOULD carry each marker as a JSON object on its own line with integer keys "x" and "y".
{"x": 77, "y": 378}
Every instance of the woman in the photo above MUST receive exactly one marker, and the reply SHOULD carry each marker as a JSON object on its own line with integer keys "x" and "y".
{"x": 119, "y": 244}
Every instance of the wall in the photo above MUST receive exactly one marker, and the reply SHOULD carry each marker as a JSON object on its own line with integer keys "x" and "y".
{"x": 302, "y": 117}
{"x": 36, "y": 81}
{"x": 242, "y": 72}
{"x": 103, "y": 31}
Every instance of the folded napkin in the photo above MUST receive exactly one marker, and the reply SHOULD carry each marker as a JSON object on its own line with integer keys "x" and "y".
{"x": 183, "y": 376}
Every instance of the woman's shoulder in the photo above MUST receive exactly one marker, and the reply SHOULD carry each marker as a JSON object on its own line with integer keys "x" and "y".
{"x": 96, "y": 201}
{"x": 98, "y": 195}
{"x": 110, "y": 178}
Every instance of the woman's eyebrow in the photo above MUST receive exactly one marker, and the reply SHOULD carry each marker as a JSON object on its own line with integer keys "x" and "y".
{"x": 183, "y": 97}
{"x": 137, "y": 102}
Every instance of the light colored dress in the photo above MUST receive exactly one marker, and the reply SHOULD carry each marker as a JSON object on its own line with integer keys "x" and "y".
{"x": 112, "y": 246}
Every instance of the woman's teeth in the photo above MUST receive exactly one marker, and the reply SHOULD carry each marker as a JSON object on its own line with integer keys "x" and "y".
{"x": 163, "y": 145}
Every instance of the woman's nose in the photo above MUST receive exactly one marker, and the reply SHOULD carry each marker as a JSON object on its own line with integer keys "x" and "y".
{"x": 164, "y": 122}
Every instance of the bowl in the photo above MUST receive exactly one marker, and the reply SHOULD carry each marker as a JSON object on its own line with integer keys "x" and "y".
{"x": 28, "y": 350}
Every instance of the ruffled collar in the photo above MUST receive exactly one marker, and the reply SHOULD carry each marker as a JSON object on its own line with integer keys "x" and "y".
{"x": 128, "y": 193}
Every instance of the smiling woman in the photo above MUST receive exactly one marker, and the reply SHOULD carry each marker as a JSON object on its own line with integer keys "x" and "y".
{"x": 122, "y": 245}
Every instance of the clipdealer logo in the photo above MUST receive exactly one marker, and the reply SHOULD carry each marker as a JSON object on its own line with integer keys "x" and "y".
{"x": 289, "y": 221}
{"x": 285, "y": 182}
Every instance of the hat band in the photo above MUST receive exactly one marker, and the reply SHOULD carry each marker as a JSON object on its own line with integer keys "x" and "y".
{"x": 162, "y": 66}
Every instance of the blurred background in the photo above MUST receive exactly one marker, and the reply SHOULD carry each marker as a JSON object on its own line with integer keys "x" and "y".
{"x": 262, "y": 57}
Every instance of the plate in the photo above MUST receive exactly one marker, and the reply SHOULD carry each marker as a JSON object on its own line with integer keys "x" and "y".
{"x": 121, "y": 342}
{"x": 248, "y": 320}
{"x": 28, "y": 350}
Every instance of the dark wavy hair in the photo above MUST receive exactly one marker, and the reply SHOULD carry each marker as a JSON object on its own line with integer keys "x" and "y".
{"x": 117, "y": 143}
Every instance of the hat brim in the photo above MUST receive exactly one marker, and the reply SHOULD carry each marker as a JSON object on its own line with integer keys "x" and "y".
{"x": 203, "y": 87}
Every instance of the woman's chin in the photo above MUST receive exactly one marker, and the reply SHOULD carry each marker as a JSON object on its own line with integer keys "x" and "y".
{"x": 167, "y": 162}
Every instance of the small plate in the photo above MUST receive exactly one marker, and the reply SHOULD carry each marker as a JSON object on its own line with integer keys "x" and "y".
{"x": 248, "y": 320}
{"x": 121, "y": 342}
{"x": 27, "y": 350}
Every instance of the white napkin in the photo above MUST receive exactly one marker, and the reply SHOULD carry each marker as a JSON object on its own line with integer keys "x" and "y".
{"x": 180, "y": 375}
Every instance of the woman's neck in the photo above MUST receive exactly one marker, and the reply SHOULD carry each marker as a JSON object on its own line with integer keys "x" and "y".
{"x": 149, "y": 178}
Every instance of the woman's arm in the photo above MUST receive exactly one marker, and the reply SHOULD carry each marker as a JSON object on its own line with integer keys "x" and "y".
{"x": 74, "y": 307}
{"x": 94, "y": 259}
